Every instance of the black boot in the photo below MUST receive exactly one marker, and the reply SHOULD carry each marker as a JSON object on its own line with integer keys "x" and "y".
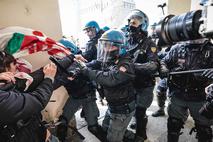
{"x": 98, "y": 132}
{"x": 129, "y": 136}
{"x": 159, "y": 112}
{"x": 141, "y": 121}
{"x": 139, "y": 139}
{"x": 82, "y": 114}
{"x": 133, "y": 124}
{"x": 174, "y": 126}
{"x": 161, "y": 98}
{"x": 204, "y": 133}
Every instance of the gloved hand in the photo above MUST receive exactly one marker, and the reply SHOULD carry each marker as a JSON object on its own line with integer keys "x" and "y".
{"x": 81, "y": 64}
{"x": 163, "y": 71}
{"x": 63, "y": 63}
{"x": 208, "y": 73}
{"x": 76, "y": 68}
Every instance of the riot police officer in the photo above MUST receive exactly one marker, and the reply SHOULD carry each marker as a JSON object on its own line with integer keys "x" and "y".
{"x": 186, "y": 91}
{"x": 94, "y": 32}
{"x": 116, "y": 77}
{"x": 144, "y": 53}
{"x": 81, "y": 89}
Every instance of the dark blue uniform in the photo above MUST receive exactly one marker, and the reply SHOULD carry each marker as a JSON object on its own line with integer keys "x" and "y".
{"x": 120, "y": 95}
{"x": 186, "y": 91}
{"x": 144, "y": 54}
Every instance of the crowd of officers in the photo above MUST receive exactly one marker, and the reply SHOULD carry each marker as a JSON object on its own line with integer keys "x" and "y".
{"x": 122, "y": 65}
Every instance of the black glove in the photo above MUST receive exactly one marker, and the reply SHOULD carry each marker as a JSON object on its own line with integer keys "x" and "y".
{"x": 63, "y": 63}
{"x": 163, "y": 71}
{"x": 208, "y": 73}
{"x": 76, "y": 68}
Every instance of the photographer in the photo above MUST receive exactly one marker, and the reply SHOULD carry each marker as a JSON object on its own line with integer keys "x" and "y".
{"x": 20, "y": 118}
{"x": 186, "y": 91}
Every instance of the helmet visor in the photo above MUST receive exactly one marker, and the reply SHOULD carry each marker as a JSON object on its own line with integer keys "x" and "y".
{"x": 107, "y": 51}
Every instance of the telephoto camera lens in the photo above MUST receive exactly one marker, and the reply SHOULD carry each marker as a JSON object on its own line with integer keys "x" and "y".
{"x": 183, "y": 27}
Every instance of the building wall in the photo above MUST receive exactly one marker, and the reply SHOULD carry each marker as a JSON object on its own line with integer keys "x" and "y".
{"x": 107, "y": 12}
{"x": 41, "y": 15}
{"x": 195, "y": 4}
{"x": 177, "y": 7}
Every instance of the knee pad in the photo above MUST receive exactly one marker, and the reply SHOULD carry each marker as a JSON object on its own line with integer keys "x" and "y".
{"x": 174, "y": 125}
{"x": 204, "y": 133}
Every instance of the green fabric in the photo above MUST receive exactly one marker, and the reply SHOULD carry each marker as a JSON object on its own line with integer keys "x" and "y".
{"x": 15, "y": 43}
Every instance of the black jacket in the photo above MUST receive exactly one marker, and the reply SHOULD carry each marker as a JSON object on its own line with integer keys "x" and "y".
{"x": 184, "y": 57}
{"x": 19, "y": 109}
{"x": 117, "y": 85}
{"x": 81, "y": 85}
{"x": 91, "y": 47}
{"x": 144, "y": 54}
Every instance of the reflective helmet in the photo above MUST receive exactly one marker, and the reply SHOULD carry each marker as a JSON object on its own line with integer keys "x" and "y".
{"x": 111, "y": 46}
{"x": 92, "y": 24}
{"x": 141, "y": 16}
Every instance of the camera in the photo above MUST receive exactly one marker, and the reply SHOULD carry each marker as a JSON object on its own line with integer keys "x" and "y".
{"x": 188, "y": 26}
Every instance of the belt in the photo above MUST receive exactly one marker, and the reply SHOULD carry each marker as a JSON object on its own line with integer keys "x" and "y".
{"x": 123, "y": 109}
{"x": 122, "y": 101}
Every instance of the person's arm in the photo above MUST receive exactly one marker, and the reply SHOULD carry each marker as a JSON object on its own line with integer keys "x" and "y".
{"x": 7, "y": 76}
{"x": 151, "y": 66}
{"x": 94, "y": 64}
{"x": 110, "y": 78}
{"x": 146, "y": 68}
{"x": 15, "y": 106}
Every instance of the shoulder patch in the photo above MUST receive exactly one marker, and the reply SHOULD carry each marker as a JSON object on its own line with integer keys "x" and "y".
{"x": 154, "y": 49}
{"x": 122, "y": 69}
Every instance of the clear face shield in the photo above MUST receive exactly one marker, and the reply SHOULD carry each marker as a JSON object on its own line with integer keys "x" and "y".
{"x": 107, "y": 52}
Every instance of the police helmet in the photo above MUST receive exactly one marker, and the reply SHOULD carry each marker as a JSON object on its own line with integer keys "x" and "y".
{"x": 92, "y": 24}
{"x": 111, "y": 45}
{"x": 141, "y": 16}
